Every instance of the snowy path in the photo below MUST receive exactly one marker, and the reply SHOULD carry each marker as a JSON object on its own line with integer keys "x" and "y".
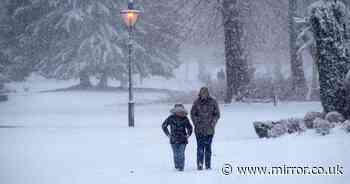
{"x": 73, "y": 138}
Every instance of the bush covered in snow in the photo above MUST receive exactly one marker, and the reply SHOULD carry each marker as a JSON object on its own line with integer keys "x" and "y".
{"x": 322, "y": 126}
{"x": 277, "y": 130}
{"x": 262, "y": 128}
{"x": 269, "y": 129}
{"x": 335, "y": 117}
{"x": 310, "y": 117}
{"x": 273, "y": 129}
{"x": 346, "y": 126}
{"x": 321, "y": 122}
{"x": 294, "y": 125}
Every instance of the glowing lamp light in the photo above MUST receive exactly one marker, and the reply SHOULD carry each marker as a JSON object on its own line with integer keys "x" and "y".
{"x": 130, "y": 17}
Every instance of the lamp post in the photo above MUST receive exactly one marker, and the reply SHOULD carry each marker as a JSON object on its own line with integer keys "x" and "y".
{"x": 130, "y": 17}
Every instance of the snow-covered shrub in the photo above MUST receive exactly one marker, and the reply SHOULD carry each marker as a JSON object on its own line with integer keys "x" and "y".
{"x": 262, "y": 128}
{"x": 335, "y": 117}
{"x": 269, "y": 129}
{"x": 346, "y": 126}
{"x": 310, "y": 117}
{"x": 322, "y": 126}
{"x": 277, "y": 130}
{"x": 294, "y": 125}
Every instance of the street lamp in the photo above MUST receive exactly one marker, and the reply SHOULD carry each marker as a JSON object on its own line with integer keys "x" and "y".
{"x": 130, "y": 17}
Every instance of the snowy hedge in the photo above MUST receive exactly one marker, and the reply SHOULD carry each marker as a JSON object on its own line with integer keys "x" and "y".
{"x": 310, "y": 117}
{"x": 266, "y": 129}
{"x": 322, "y": 124}
{"x": 346, "y": 126}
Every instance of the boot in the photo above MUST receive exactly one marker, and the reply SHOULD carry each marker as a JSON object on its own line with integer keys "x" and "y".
{"x": 200, "y": 166}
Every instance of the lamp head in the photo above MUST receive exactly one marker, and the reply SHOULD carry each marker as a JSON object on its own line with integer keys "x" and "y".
{"x": 130, "y": 16}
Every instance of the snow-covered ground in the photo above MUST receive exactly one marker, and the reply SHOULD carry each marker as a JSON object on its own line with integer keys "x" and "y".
{"x": 83, "y": 138}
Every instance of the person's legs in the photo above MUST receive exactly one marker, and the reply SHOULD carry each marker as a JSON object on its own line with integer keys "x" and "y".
{"x": 175, "y": 155}
{"x": 181, "y": 157}
{"x": 207, "y": 147}
{"x": 200, "y": 152}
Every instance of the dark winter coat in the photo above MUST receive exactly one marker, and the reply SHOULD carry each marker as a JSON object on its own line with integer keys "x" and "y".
{"x": 180, "y": 129}
{"x": 205, "y": 114}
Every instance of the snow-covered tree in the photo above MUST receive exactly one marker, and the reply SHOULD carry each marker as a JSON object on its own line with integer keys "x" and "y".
{"x": 306, "y": 42}
{"x": 3, "y": 59}
{"x": 160, "y": 34}
{"x": 12, "y": 67}
{"x": 299, "y": 86}
{"x": 236, "y": 63}
{"x": 328, "y": 19}
{"x": 80, "y": 38}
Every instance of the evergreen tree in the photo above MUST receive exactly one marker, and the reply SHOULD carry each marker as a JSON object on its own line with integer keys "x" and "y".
{"x": 328, "y": 19}
{"x": 81, "y": 38}
{"x": 3, "y": 59}
{"x": 12, "y": 65}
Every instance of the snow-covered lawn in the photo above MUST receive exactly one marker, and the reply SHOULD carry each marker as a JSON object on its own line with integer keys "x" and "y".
{"x": 83, "y": 138}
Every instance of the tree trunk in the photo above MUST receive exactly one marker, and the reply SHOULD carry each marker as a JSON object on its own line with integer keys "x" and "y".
{"x": 236, "y": 65}
{"x": 299, "y": 86}
{"x": 103, "y": 83}
{"x": 314, "y": 90}
{"x": 84, "y": 80}
{"x": 333, "y": 64}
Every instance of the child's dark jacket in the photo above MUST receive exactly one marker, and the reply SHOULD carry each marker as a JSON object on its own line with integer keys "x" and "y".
{"x": 180, "y": 129}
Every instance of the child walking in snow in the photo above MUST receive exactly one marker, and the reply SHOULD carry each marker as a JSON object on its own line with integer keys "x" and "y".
{"x": 180, "y": 131}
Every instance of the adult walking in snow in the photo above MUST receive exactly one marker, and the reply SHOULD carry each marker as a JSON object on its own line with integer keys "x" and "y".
{"x": 180, "y": 131}
{"x": 205, "y": 114}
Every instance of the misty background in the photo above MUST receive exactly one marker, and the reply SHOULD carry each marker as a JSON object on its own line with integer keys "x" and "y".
{"x": 181, "y": 41}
